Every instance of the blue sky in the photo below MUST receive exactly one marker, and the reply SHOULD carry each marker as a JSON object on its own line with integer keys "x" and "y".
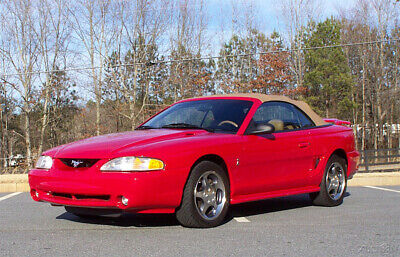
{"x": 268, "y": 11}
{"x": 268, "y": 16}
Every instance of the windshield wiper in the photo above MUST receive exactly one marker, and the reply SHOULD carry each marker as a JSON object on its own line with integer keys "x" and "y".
{"x": 185, "y": 126}
{"x": 145, "y": 127}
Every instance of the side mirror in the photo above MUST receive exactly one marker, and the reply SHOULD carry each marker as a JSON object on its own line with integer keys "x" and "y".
{"x": 263, "y": 129}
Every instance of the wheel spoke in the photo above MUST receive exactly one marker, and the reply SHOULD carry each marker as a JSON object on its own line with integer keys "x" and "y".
{"x": 330, "y": 187}
{"x": 341, "y": 178}
{"x": 335, "y": 191}
{"x": 199, "y": 194}
{"x": 333, "y": 171}
{"x": 204, "y": 208}
{"x": 214, "y": 204}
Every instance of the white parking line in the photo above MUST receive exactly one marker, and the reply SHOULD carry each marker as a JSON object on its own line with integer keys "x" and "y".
{"x": 9, "y": 196}
{"x": 241, "y": 219}
{"x": 384, "y": 189}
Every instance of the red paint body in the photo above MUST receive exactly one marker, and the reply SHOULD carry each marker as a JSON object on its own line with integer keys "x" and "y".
{"x": 270, "y": 165}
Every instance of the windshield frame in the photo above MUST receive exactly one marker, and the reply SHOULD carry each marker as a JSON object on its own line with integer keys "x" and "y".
{"x": 252, "y": 108}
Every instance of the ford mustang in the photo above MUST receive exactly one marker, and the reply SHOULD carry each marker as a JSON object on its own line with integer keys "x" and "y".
{"x": 198, "y": 157}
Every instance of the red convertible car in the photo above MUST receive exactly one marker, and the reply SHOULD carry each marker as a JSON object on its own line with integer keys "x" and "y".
{"x": 198, "y": 156}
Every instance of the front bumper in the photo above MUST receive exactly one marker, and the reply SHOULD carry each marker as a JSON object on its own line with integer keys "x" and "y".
{"x": 145, "y": 191}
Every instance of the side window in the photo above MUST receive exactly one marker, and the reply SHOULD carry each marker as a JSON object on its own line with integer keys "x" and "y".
{"x": 284, "y": 116}
{"x": 305, "y": 121}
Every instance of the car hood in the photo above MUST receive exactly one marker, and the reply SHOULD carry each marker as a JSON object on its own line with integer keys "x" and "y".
{"x": 106, "y": 146}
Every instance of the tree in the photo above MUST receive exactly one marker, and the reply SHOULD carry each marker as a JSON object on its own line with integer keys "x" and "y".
{"x": 375, "y": 69}
{"x": 188, "y": 78}
{"x": 22, "y": 52}
{"x": 296, "y": 14}
{"x": 237, "y": 67}
{"x": 62, "y": 107}
{"x": 130, "y": 73}
{"x": 274, "y": 75}
{"x": 62, "y": 110}
{"x": 328, "y": 79}
{"x": 53, "y": 31}
{"x": 7, "y": 108}
{"x": 92, "y": 23}
{"x": 129, "y": 80}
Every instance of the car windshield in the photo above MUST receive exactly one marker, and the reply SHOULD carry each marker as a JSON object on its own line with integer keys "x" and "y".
{"x": 215, "y": 115}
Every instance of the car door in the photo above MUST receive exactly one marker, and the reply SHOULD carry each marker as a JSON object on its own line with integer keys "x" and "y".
{"x": 280, "y": 160}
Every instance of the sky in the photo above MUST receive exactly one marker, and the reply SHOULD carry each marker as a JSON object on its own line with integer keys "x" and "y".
{"x": 268, "y": 11}
{"x": 220, "y": 12}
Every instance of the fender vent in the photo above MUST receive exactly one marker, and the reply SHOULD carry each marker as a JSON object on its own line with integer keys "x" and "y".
{"x": 79, "y": 163}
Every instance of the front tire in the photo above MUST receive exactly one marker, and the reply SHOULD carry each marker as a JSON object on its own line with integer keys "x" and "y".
{"x": 334, "y": 183}
{"x": 205, "y": 200}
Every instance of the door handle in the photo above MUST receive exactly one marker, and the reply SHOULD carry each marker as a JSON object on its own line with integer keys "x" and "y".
{"x": 304, "y": 144}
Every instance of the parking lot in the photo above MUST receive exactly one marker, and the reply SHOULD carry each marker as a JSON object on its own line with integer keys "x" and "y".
{"x": 366, "y": 224}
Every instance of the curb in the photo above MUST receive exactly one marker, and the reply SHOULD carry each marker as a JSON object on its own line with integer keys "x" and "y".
{"x": 14, "y": 183}
{"x": 19, "y": 182}
{"x": 375, "y": 179}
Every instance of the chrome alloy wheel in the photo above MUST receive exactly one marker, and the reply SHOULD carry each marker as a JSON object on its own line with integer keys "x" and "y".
{"x": 209, "y": 195}
{"x": 335, "y": 181}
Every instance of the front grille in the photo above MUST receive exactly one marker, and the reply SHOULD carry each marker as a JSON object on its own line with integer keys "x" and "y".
{"x": 93, "y": 197}
{"x": 79, "y": 163}
{"x": 62, "y": 195}
{"x": 81, "y": 197}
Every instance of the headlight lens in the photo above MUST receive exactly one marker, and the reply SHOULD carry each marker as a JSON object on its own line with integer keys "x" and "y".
{"x": 133, "y": 164}
{"x": 44, "y": 162}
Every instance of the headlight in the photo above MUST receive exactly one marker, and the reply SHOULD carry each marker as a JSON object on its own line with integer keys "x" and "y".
{"x": 44, "y": 162}
{"x": 133, "y": 164}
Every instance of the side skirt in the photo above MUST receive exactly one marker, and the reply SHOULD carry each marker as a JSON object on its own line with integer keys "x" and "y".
{"x": 261, "y": 196}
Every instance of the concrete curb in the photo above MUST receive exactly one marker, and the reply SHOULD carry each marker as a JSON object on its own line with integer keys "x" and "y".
{"x": 375, "y": 179}
{"x": 19, "y": 182}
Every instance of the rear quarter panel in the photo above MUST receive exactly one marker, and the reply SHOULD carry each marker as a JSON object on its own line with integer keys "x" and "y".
{"x": 325, "y": 141}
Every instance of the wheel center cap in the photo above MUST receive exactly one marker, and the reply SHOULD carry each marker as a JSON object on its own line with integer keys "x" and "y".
{"x": 210, "y": 197}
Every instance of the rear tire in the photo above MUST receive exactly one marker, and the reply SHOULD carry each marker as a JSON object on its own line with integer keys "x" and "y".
{"x": 205, "y": 200}
{"x": 333, "y": 185}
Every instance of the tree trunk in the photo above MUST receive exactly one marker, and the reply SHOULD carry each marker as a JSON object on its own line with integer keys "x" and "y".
{"x": 133, "y": 101}
{"x": 28, "y": 140}
{"x": 44, "y": 117}
{"x": 363, "y": 103}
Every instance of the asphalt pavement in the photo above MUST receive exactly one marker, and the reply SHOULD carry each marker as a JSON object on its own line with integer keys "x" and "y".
{"x": 366, "y": 224}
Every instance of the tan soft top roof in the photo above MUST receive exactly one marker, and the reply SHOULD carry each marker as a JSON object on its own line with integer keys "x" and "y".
{"x": 280, "y": 98}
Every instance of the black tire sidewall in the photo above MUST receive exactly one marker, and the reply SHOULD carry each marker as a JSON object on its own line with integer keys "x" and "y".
{"x": 323, "y": 197}
{"x": 188, "y": 206}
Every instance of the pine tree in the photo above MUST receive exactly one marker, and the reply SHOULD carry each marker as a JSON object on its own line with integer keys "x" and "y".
{"x": 327, "y": 78}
